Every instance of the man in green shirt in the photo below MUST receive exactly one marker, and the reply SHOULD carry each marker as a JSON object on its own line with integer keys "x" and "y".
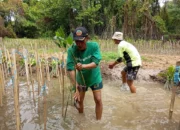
{"x": 131, "y": 57}
{"x": 84, "y": 56}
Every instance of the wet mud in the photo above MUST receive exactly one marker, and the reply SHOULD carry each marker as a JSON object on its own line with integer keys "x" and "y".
{"x": 148, "y": 109}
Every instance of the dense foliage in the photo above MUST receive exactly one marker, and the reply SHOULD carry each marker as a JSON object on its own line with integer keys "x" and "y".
{"x": 137, "y": 19}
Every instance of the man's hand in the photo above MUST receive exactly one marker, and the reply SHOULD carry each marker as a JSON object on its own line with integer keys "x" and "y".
{"x": 79, "y": 66}
{"x": 77, "y": 96}
{"x": 111, "y": 66}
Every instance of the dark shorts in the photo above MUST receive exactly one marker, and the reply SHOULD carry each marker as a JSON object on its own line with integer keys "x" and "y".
{"x": 131, "y": 72}
{"x": 96, "y": 86}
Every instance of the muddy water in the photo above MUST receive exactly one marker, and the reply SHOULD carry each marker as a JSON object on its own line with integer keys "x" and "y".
{"x": 146, "y": 110}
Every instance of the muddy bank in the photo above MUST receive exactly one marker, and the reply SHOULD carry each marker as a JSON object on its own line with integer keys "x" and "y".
{"x": 152, "y": 65}
{"x": 144, "y": 74}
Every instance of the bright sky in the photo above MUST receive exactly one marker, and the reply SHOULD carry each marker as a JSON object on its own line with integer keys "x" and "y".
{"x": 161, "y": 2}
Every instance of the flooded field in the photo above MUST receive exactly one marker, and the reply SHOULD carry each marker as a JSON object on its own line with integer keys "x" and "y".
{"x": 146, "y": 110}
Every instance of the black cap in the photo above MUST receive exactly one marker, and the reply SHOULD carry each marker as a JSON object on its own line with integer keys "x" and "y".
{"x": 80, "y": 33}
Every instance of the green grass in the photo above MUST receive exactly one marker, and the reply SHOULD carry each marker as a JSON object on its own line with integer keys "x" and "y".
{"x": 146, "y": 59}
{"x": 109, "y": 56}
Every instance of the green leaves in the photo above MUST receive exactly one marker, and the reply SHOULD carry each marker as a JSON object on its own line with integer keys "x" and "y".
{"x": 61, "y": 40}
{"x": 169, "y": 77}
{"x": 160, "y": 23}
{"x": 169, "y": 73}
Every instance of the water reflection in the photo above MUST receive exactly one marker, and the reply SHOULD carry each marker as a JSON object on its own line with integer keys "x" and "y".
{"x": 146, "y": 110}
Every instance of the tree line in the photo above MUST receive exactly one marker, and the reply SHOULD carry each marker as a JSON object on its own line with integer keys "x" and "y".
{"x": 137, "y": 19}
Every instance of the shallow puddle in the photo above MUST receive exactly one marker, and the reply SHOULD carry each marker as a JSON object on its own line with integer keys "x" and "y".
{"x": 148, "y": 109}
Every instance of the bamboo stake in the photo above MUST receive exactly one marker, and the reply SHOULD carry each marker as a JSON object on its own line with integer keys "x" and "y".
{"x": 1, "y": 80}
{"x": 40, "y": 72}
{"x": 5, "y": 70}
{"x": 57, "y": 74}
{"x": 67, "y": 105}
{"x": 45, "y": 112}
{"x": 9, "y": 59}
{"x": 47, "y": 71}
{"x": 5, "y": 64}
{"x": 38, "y": 76}
{"x": 63, "y": 88}
{"x": 60, "y": 76}
{"x": 16, "y": 101}
{"x": 32, "y": 81}
{"x": 37, "y": 69}
{"x": 172, "y": 102}
{"x": 26, "y": 67}
{"x": 1, "y": 93}
{"x": 44, "y": 96}
{"x": 174, "y": 88}
{"x": 46, "y": 67}
{"x": 2, "y": 74}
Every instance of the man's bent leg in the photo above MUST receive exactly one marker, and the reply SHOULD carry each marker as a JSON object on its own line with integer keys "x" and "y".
{"x": 81, "y": 104}
{"x": 98, "y": 101}
{"x": 124, "y": 78}
{"x": 131, "y": 86}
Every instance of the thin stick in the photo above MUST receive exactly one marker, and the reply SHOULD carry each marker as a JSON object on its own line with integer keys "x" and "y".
{"x": 9, "y": 59}
{"x": 46, "y": 67}
{"x": 4, "y": 64}
{"x": 32, "y": 81}
{"x": 62, "y": 89}
{"x": 40, "y": 72}
{"x": 1, "y": 93}
{"x": 172, "y": 102}
{"x": 67, "y": 106}
{"x": 37, "y": 69}
{"x": 16, "y": 99}
{"x": 60, "y": 77}
{"x": 26, "y": 67}
{"x": 82, "y": 77}
{"x": 2, "y": 73}
{"x": 45, "y": 112}
{"x": 1, "y": 80}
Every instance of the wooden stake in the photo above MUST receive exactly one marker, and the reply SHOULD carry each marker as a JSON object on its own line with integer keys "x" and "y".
{"x": 60, "y": 79}
{"x": 32, "y": 81}
{"x": 47, "y": 66}
{"x": 1, "y": 80}
{"x": 67, "y": 105}
{"x": 62, "y": 89}
{"x": 37, "y": 69}
{"x": 5, "y": 63}
{"x": 40, "y": 72}
{"x": 1, "y": 91}
{"x": 174, "y": 88}
{"x": 2, "y": 73}
{"x": 172, "y": 102}
{"x": 9, "y": 59}
{"x": 26, "y": 67}
{"x": 45, "y": 112}
{"x": 16, "y": 101}
{"x": 60, "y": 75}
